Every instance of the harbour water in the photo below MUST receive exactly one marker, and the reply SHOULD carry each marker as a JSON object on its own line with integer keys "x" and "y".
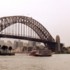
{"x": 25, "y": 62}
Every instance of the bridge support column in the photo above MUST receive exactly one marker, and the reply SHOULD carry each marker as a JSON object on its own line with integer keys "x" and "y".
{"x": 58, "y": 48}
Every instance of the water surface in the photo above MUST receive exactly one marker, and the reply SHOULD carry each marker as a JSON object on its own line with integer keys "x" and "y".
{"x": 25, "y": 62}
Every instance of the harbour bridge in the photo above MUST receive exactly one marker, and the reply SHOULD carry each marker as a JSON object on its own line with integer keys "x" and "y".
{"x": 26, "y": 28}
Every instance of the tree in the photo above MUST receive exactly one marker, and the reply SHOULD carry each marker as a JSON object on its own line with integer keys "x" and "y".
{"x": 10, "y": 48}
{"x": 4, "y": 48}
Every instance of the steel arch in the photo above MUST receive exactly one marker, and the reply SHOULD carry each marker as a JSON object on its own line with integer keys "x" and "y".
{"x": 32, "y": 23}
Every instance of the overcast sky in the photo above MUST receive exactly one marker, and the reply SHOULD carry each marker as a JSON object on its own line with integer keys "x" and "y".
{"x": 53, "y": 14}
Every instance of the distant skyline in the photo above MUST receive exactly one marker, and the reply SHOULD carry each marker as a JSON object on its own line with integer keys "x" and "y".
{"x": 54, "y": 15}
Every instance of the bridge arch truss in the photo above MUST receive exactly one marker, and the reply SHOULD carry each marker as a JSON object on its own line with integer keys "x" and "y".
{"x": 30, "y": 22}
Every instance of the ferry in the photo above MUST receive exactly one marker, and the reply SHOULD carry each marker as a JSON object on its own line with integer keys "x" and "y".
{"x": 41, "y": 53}
{"x": 2, "y": 53}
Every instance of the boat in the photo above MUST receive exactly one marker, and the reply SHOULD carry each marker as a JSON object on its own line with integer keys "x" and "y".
{"x": 41, "y": 53}
{"x": 7, "y": 53}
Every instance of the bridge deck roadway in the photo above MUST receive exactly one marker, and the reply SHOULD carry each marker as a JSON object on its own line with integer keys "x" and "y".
{"x": 27, "y": 38}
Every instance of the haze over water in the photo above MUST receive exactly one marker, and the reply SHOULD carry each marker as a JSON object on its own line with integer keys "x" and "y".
{"x": 25, "y": 62}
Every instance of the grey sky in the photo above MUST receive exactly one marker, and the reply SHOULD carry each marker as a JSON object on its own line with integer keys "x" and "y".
{"x": 53, "y": 14}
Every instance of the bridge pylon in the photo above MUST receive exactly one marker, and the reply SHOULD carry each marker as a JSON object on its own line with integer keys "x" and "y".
{"x": 58, "y": 46}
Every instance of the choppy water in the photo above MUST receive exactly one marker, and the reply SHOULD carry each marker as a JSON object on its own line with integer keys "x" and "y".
{"x": 24, "y": 62}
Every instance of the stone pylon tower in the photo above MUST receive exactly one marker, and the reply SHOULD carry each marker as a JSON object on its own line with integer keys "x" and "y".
{"x": 58, "y": 48}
